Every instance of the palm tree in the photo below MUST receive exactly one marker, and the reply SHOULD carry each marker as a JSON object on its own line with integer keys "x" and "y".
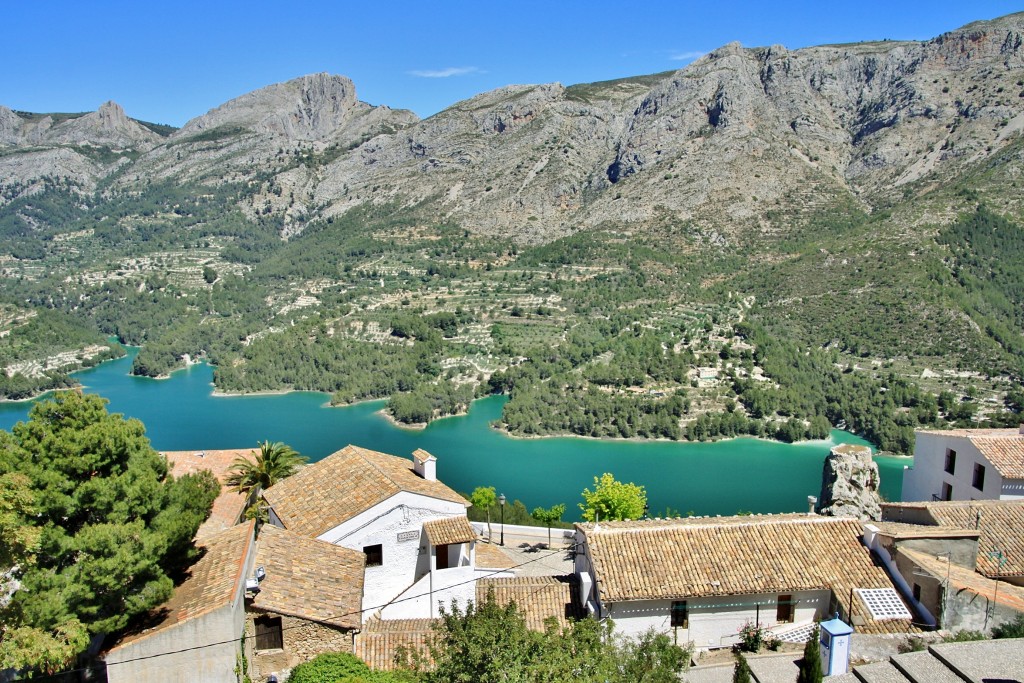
{"x": 274, "y": 462}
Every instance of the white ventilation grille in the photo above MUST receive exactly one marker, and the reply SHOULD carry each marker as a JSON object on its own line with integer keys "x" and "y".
{"x": 883, "y": 603}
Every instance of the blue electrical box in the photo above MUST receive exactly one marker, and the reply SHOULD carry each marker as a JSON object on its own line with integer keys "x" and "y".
{"x": 835, "y": 646}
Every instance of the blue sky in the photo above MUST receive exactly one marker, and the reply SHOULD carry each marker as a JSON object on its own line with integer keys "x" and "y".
{"x": 167, "y": 62}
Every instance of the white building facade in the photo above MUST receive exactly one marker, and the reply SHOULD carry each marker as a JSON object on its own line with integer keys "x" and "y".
{"x": 419, "y": 546}
{"x": 966, "y": 464}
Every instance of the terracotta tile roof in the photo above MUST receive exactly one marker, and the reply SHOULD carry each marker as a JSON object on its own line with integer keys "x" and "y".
{"x": 1004, "y": 448}
{"x": 1000, "y": 522}
{"x": 380, "y": 640}
{"x": 703, "y": 557}
{"x": 490, "y": 556}
{"x": 213, "y": 582}
{"x": 309, "y": 579}
{"x": 327, "y": 493}
{"x": 961, "y": 578}
{"x": 228, "y": 507}
{"x": 539, "y": 597}
{"x": 449, "y": 530}
{"x": 902, "y": 530}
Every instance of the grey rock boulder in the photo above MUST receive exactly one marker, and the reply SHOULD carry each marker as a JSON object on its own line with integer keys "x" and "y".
{"x": 849, "y": 484}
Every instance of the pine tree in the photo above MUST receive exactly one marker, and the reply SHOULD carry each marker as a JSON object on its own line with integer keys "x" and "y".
{"x": 741, "y": 672}
{"x": 105, "y": 528}
{"x": 810, "y": 665}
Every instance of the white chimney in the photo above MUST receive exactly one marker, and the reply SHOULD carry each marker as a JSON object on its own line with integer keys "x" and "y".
{"x": 811, "y": 502}
{"x": 424, "y": 464}
{"x": 1021, "y": 429}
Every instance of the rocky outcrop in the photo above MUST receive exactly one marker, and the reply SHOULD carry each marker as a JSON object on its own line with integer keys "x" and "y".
{"x": 10, "y": 127}
{"x": 107, "y": 126}
{"x": 310, "y": 108}
{"x": 849, "y": 484}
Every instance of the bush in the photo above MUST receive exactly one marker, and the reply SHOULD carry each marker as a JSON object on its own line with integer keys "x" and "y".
{"x": 1011, "y": 629}
{"x": 752, "y": 637}
{"x": 329, "y": 668}
{"x": 912, "y": 644}
{"x": 964, "y": 636}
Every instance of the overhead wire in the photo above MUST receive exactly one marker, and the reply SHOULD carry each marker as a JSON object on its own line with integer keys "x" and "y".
{"x": 105, "y": 664}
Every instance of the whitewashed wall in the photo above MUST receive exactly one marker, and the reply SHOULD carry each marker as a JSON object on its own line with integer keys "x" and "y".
{"x": 440, "y": 589}
{"x": 405, "y": 561}
{"x": 714, "y": 622}
{"x": 928, "y": 474}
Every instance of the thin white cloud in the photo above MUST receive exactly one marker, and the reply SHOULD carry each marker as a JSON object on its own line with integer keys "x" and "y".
{"x": 687, "y": 56}
{"x": 447, "y": 73}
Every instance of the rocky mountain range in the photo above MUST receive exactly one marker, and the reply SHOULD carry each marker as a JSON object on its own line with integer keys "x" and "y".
{"x": 741, "y": 142}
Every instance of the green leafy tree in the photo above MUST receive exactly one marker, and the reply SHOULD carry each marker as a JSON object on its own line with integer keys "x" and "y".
{"x": 112, "y": 525}
{"x": 47, "y": 651}
{"x": 485, "y": 643}
{"x": 549, "y": 516}
{"x": 18, "y": 537}
{"x": 613, "y": 499}
{"x": 810, "y": 665}
{"x": 652, "y": 658}
{"x": 273, "y": 462}
{"x": 490, "y": 643}
{"x": 741, "y": 672}
{"x": 484, "y": 498}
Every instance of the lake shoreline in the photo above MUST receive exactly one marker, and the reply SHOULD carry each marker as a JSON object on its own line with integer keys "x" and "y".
{"x": 419, "y": 427}
{"x": 708, "y": 478}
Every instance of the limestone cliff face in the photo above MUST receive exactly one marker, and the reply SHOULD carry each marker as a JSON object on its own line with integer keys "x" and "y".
{"x": 849, "y": 484}
{"x": 744, "y": 142}
{"x": 721, "y": 144}
{"x": 310, "y": 108}
{"x": 72, "y": 147}
{"x": 107, "y": 126}
{"x": 10, "y": 127}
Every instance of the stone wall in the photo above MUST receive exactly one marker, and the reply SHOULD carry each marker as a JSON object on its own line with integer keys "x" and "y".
{"x": 303, "y": 640}
{"x": 968, "y": 610}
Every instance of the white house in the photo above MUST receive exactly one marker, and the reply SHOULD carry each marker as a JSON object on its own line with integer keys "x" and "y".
{"x": 420, "y": 548}
{"x": 966, "y": 464}
{"x": 703, "y": 579}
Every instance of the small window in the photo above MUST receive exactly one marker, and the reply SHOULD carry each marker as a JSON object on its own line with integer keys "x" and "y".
{"x": 268, "y": 633}
{"x": 950, "y": 461}
{"x": 784, "y": 610}
{"x": 374, "y": 555}
{"x": 680, "y": 614}
{"x": 917, "y": 592}
{"x": 947, "y": 491}
{"x": 979, "y": 476}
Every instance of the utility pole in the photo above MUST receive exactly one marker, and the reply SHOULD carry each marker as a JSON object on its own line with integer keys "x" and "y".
{"x": 999, "y": 555}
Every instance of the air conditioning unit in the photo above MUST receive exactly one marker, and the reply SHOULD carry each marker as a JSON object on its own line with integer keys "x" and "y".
{"x": 252, "y": 586}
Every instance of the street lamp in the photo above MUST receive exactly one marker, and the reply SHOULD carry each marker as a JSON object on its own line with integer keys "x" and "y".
{"x": 501, "y": 502}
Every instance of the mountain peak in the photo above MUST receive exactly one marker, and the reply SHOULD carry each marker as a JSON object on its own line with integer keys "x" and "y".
{"x": 111, "y": 116}
{"x": 310, "y": 107}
